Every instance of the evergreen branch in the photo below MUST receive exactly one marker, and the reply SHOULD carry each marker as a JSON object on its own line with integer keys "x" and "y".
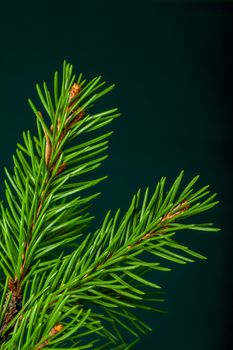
{"x": 105, "y": 269}
{"x": 53, "y": 298}
{"x": 43, "y": 167}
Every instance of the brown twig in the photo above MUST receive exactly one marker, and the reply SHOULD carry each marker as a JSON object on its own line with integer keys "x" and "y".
{"x": 13, "y": 307}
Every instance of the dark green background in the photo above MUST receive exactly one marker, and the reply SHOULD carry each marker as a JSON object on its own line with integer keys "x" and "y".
{"x": 172, "y": 63}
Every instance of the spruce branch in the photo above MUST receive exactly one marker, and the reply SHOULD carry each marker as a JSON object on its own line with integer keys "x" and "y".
{"x": 63, "y": 287}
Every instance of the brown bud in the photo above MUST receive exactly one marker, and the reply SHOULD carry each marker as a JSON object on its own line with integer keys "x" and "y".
{"x": 48, "y": 149}
{"x": 75, "y": 89}
{"x": 183, "y": 206}
{"x": 57, "y": 328}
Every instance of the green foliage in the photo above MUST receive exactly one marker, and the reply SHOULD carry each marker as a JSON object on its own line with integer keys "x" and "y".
{"x": 61, "y": 286}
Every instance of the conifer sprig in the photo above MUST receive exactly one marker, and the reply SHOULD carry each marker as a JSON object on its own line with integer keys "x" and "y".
{"x": 61, "y": 286}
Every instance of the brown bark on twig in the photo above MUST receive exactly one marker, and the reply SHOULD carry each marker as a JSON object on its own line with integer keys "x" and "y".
{"x": 13, "y": 307}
